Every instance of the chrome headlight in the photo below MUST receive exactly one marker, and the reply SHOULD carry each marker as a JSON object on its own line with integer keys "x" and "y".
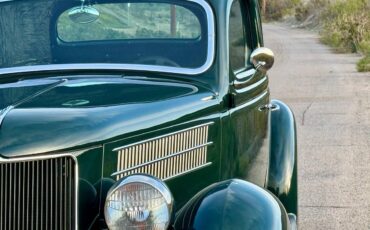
{"x": 138, "y": 202}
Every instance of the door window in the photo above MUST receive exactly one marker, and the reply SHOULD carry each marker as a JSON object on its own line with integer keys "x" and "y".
{"x": 238, "y": 48}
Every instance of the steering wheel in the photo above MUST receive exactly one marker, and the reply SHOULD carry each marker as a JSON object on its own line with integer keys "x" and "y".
{"x": 157, "y": 60}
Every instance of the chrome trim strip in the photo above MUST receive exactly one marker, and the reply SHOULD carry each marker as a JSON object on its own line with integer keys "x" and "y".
{"x": 245, "y": 74}
{"x": 162, "y": 158}
{"x": 208, "y": 98}
{"x": 228, "y": 12}
{"x": 121, "y": 67}
{"x": 162, "y": 136}
{"x": 189, "y": 171}
{"x": 79, "y": 152}
{"x": 34, "y": 158}
{"x": 4, "y": 112}
{"x": 242, "y": 87}
{"x": 38, "y": 93}
{"x": 46, "y": 157}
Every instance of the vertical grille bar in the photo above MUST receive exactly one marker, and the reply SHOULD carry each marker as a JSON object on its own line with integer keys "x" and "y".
{"x": 9, "y": 197}
{"x": 19, "y": 198}
{"x": 47, "y": 184}
{"x": 5, "y": 197}
{"x": 42, "y": 198}
{"x": 38, "y": 194}
{"x": 70, "y": 193}
{"x": 1, "y": 196}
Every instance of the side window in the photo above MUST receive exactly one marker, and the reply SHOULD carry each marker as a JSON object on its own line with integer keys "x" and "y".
{"x": 238, "y": 48}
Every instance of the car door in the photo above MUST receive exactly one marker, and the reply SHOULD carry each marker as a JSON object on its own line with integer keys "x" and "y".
{"x": 248, "y": 135}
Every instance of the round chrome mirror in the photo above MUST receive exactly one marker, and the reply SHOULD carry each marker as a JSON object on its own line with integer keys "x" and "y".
{"x": 83, "y": 14}
{"x": 262, "y": 58}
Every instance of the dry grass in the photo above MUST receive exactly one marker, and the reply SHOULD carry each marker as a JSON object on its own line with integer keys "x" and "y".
{"x": 346, "y": 27}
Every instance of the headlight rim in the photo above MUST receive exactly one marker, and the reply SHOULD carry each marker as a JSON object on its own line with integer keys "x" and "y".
{"x": 147, "y": 179}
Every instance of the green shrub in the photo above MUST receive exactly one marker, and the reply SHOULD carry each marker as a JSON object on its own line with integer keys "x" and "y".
{"x": 346, "y": 24}
{"x": 277, "y": 9}
{"x": 364, "y": 64}
{"x": 346, "y": 27}
{"x": 305, "y": 9}
{"x": 364, "y": 46}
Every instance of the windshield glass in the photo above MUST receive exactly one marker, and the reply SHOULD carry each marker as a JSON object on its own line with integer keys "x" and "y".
{"x": 138, "y": 33}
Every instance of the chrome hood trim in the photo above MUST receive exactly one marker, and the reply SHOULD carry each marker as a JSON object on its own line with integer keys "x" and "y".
{"x": 4, "y": 112}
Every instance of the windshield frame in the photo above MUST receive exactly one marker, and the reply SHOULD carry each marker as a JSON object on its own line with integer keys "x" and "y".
{"x": 130, "y": 67}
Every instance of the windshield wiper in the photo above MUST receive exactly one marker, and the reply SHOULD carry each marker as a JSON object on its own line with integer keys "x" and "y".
{"x": 5, "y": 111}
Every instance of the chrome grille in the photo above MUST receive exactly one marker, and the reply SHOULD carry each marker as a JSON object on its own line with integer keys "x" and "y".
{"x": 38, "y": 193}
{"x": 166, "y": 156}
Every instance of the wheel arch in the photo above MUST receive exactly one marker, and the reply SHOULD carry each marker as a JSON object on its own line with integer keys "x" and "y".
{"x": 282, "y": 176}
{"x": 232, "y": 204}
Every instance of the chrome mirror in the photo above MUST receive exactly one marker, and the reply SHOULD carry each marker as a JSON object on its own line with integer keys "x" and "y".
{"x": 83, "y": 14}
{"x": 262, "y": 59}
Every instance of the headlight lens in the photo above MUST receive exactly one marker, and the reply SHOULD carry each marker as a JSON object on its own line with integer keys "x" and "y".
{"x": 138, "y": 202}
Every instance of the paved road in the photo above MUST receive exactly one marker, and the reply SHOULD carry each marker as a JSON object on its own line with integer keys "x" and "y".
{"x": 331, "y": 102}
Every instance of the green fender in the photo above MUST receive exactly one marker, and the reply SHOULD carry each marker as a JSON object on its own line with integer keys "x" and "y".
{"x": 232, "y": 204}
{"x": 282, "y": 177}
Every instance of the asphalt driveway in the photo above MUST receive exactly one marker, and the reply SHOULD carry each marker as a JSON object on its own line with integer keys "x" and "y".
{"x": 331, "y": 102}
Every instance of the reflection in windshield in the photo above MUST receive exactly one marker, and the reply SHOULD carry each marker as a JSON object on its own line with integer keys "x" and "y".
{"x": 83, "y": 14}
{"x": 131, "y": 21}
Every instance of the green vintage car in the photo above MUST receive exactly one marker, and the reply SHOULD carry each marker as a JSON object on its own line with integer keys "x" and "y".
{"x": 141, "y": 115}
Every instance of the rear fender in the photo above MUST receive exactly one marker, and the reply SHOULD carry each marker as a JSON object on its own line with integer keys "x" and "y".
{"x": 282, "y": 177}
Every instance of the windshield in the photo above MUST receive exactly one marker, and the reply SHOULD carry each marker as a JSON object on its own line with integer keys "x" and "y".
{"x": 144, "y": 35}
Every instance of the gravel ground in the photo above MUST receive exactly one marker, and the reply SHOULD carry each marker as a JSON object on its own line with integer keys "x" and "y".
{"x": 331, "y": 102}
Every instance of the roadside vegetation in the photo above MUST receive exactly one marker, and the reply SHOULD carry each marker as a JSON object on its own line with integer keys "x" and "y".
{"x": 276, "y": 9}
{"x": 342, "y": 24}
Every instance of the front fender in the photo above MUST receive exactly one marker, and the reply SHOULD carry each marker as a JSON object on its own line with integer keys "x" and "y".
{"x": 282, "y": 178}
{"x": 232, "y": 204}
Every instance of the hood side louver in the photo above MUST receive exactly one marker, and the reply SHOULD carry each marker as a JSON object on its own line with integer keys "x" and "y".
{"x": 166, "y": 156}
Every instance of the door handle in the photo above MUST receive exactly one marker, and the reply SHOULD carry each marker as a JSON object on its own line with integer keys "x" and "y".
{"x": 269, "y": 106}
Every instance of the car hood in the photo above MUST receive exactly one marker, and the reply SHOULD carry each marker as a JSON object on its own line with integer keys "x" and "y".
{"x": 53, "y": 114}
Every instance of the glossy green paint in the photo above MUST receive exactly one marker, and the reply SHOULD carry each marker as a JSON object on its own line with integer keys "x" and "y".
{"x": 90, "y": 174}
{"x": 117, "y": 106}
{"x": 282, "y": 180}
{"x": 102, "y": 111}
{"x": 247, "y": 138}
{"x": 45, "y": 124}
{"x": 179, "y": 186}
{"x": 232, "y": 204}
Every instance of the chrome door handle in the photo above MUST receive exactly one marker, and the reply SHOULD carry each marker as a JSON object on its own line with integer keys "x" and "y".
{"x": 269, "y": 106}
